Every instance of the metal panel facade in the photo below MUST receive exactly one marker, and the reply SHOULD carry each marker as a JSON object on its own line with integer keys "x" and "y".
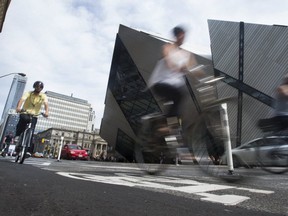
{"x": 265, "y": 64}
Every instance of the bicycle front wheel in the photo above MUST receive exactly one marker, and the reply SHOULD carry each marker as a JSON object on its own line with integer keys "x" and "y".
{"x": 18, "y": 148}
{"x": 24, "y": 150}
{"x": 208, "y": 139}
{"x": 272, "y": 154}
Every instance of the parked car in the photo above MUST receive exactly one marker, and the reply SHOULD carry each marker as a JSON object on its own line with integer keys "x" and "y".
{"x": 246, "y": 154}
{"x": 73, "y": 151}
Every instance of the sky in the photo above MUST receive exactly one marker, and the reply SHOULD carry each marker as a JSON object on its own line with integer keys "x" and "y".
{"x": 68, "y": 44}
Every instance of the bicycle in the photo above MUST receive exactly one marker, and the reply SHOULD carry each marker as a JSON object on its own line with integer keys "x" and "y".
{"x": 25, "y": 139}
{"x": 273, "y": 158}
{"x": 204, "y": 140}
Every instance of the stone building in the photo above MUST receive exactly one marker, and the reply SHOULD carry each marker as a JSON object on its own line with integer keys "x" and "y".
{"x": 49, "y": 141}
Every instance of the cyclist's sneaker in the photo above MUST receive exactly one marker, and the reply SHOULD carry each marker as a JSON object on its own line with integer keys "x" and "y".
{"x": 28, "y": 154}
{"x": 173, "y": 141}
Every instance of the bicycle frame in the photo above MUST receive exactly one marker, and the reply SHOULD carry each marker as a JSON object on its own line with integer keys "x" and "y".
{"x": 25, "y": 139}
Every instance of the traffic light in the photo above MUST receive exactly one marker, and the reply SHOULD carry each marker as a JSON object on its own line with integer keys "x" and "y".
{"x": 43, "y": 140}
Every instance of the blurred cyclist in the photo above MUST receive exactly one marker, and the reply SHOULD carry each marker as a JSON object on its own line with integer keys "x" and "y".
{"x": 31, "y": 102}
{"x": 8, "y": 139}
{"x": 167, "y": 79}
{"x": 280, "y": 119}
{"x": 281, "y": 104}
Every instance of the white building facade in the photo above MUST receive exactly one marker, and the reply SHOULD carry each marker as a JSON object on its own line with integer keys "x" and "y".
{"x": 67, "y": 112}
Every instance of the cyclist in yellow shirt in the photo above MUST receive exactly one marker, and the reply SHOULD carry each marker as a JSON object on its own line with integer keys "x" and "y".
{"x": 31, "y": 102}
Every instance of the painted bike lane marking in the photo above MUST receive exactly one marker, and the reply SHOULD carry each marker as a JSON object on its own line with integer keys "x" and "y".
{"x": 170, "y": 184}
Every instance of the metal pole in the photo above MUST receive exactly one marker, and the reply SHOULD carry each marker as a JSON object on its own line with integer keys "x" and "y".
{"x": 225, "y": 122}
{"x": 60, "y": 148}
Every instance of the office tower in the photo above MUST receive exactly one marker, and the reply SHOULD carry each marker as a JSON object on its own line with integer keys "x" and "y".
{"x": 15, "y": 93}
{"x": 9, "y": 117}
{"x": 66, "y": 112}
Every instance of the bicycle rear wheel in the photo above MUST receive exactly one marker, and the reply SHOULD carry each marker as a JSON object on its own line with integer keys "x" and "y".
{"x": 272, "y": 154}
{"x": 151, "y": 151}
{"x": 208, "y": 139}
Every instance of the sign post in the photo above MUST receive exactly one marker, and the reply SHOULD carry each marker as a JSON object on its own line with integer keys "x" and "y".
{"x": 60, "y": 148}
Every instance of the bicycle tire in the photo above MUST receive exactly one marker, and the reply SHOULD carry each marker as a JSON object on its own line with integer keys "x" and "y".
{"x": 17, "y": 157}
{"x": 274, "y": 160}
{"x": 149, "y": 147}
{"x": 24, "y": 150}
{"x": 207, "y": 140}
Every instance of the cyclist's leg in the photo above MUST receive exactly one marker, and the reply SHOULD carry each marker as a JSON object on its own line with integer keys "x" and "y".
{"x": 31, "y": 146}
{"x": 7, "y": 144}
{"x": 21, "y": 125}
{"x": 173, "y": 97}
{"x": 20, "y": 128}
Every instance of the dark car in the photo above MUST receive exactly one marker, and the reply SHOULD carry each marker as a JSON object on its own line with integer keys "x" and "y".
{"x": 74, "y": 152}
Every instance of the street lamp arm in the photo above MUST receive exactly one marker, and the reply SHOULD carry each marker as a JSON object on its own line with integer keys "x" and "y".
{"x": 21, "y": 74}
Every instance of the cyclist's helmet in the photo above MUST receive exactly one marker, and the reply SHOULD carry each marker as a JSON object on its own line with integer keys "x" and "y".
{"x": 38, "y": 83}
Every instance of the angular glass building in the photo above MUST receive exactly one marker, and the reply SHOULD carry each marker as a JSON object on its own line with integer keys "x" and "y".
{"x": 4, "y": 4}
{"x": 252, "y": 58}
{"x": 127, "y": 98}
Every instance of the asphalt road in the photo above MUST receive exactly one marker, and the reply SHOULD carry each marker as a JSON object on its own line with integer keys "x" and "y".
{"x": 47, "y": 187}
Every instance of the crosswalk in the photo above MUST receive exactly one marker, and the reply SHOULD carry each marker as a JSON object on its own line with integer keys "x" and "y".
{"x": 206, "y": 191}
{"x": 210, "y": 192}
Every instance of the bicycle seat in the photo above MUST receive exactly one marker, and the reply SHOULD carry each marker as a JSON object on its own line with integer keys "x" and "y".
{"x": 271, "y": 124}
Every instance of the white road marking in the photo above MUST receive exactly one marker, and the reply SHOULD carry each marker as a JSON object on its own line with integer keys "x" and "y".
{"x": 36, "y": 163}
{"x": 170, "y": 184}
{"x": 225, "y": 199}
{"x": 256, "y": 190}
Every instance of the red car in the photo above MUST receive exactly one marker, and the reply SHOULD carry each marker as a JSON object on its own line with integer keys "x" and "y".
{"x": 73, "y": 151}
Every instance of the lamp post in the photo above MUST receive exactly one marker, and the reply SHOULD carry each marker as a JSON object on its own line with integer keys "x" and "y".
{"x": 21, "y": 74}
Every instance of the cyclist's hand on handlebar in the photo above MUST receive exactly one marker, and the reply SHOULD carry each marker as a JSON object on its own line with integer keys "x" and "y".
{"x": 45, "y": 115}
{"x": 18, "y": 110}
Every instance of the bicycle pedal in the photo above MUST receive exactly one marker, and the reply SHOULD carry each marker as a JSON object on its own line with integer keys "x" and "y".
{"x": 173, "y": 141}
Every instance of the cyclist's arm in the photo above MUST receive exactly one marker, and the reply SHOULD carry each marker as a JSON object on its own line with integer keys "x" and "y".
{"x": 46, "y": 107}
{"x": 193, "y": 63}
{"x": 19, "y": 105}
{"x": 283, "y": 90}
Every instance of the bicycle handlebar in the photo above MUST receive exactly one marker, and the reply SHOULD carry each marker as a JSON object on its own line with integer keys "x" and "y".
{"x": 23, "y": 111}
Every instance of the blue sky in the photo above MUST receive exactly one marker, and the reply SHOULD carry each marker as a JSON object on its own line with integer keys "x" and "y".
{"x": 69, "y": 44}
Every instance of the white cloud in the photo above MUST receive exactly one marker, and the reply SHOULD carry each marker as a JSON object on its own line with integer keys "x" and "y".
{"x": 69, "y": 44}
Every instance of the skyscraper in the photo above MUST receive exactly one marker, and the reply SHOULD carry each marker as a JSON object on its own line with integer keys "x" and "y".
{"x": 9, "y": 119}
{"x": 15, "y": 93}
